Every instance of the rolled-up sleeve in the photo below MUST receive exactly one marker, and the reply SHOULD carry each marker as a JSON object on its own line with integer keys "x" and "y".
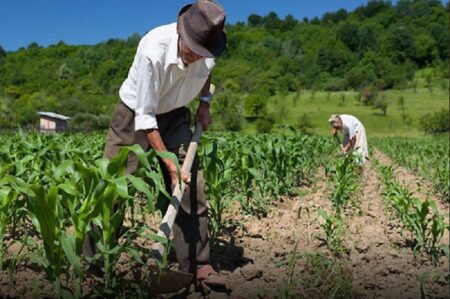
{"x": 147, "y": 95}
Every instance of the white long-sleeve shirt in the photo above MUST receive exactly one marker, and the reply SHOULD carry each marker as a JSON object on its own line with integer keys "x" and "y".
{"x": 350, "y": 125}
{"x": 353, "y": 127}
{"x": 158, "y": 81}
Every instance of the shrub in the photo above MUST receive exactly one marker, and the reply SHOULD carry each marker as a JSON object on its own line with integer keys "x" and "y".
{"x": 264, "y": 125}
{"x": 335, "y": 84}
{"x": 255, "y": 105}
{"x": 435, "y": 123}
{"x": 368, "y": 94}
{"x": 88, "y": 121}
{"x": 381, "y": 104}
{"x": 305, "y": 124}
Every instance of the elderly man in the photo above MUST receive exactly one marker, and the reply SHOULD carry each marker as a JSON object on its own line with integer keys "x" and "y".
{"x": 354, "y": 134}
{"x": 172, "y": 66}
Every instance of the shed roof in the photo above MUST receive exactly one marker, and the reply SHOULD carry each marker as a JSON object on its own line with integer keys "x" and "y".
{"x": 54, "y": 115}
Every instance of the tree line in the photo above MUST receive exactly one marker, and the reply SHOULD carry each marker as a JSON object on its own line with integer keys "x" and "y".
{"x": 377, "y": 46}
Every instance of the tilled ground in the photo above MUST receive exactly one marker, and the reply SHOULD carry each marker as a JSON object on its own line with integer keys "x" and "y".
{"x": 285, "y": 252}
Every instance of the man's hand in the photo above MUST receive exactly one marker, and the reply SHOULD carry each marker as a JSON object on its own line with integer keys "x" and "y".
{"x": 203, "y": 116}
{"x": 334, "y": 131}
{"x": 155, "y": 141}
{"x": 186, "y": 178}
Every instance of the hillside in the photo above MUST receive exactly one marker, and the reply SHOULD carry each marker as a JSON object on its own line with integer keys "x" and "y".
{"x": 379, "y": 46}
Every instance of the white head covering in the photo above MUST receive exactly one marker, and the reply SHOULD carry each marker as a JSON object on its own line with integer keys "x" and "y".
{"x": 333, "y": 118}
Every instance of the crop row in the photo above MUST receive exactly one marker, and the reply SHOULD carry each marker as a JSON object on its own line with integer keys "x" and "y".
{"x": 428, "y": 157}
{"x": 59, "y": 184}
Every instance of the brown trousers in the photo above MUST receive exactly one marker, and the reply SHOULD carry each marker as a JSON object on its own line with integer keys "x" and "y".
{"x": 191, "y": 240}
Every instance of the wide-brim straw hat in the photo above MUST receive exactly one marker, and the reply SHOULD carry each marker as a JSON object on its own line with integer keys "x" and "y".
{"x": 201, "y": 26}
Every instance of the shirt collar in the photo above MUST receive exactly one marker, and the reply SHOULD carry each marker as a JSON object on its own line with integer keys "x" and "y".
{"x": 172, "y": 54}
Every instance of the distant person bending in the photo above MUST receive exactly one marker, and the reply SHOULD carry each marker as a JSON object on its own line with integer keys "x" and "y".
{"x": 354, "y": 135}
{"x": 172, "y": 66}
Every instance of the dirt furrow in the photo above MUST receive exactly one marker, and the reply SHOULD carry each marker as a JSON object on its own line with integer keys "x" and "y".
{"x": 381, "y": 256}
{"x": 420, "y": 188}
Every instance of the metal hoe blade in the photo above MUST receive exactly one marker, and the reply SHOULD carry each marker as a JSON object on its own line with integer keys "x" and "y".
{"x": 168, "y": 281}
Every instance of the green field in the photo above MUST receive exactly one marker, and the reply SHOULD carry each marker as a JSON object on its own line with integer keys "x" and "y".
{"x": 289, "y": 109}
{"x": 53, "y": 185}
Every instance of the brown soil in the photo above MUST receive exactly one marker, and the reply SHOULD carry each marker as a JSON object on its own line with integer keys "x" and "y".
{"x": 254, "y": 256}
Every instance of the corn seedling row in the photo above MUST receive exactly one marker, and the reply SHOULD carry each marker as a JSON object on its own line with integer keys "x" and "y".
{"x": 427, "y": 157}
{"x": 420, "y": 218}
{"x": 61, "y": 185}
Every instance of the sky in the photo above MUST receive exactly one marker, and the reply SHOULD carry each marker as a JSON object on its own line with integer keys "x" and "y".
{"x": 79, "y": 22}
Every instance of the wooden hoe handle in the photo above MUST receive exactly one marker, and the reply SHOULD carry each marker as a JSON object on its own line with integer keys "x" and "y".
{"x": 169, "y": 218}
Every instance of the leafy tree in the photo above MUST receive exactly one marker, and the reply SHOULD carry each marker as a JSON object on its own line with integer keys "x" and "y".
{"x": 64, "y": 72}
{"x": 382, "y": 104}
{"x": 368, "y": 94}
{"x": 439, "y": 33}
{"x": 333, "y": 58}
{"x": 133, "y": 40}
{"x": 254, "y": 20}
{"x": 348, "y": 34}
{"x": 401, "y": 44}
{"x": 264, "y": 124}
{"x": 289, "y": 23}
{"x": 435, "y": 123}
{"x": 255, "y": 105}
{"x": 2, "y": 53}
{"x": 377, "y": 46}
{"x": 272, "y": 21}
{"x": 305, "y": 124}
{"x": 33, "y": 45}
{"x": 228, "y": 108}
{"x": 13, "y": 91}
{"x": 372, "y": 8}
{"x": 89, "y": 121}
{"x": 335, "y": 84}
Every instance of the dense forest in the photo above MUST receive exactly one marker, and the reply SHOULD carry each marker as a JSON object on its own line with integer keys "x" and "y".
{"x": 377, "y": 46}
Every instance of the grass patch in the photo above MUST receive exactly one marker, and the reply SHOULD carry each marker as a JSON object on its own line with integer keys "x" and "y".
{"x": 321, "y": 104}
{"x": 318, "y": 276}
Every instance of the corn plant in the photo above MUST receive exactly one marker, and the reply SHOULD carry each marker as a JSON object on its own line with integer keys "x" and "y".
{"x": 45, "y": 214}
{"x": 76, "y": 195}
{"x": 114, "y": 200}
{"x": 428, "y": 226}
{"x": 268, "y": 166}
{"x": 289, "y": 284}
{"x": 62, "y": 184}
{"x": 217, "y": 173}
{"x": 427, "y": 157}
{"x": 420, "y": 218}
{"x": 333, "y": 228}
{"x": 10, "y": 189}
{"x": 342, "y": 172}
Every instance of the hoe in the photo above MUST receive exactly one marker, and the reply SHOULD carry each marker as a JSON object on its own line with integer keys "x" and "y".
{"x": 167, "y": 280}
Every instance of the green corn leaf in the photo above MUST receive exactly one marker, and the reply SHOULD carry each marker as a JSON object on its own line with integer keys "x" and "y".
{"x": 141, "y": 155}
{"x": 118, "y": 164}
{"x": 69, "y": 188}
{"x": 135, "y": 255}
{"x": 68, "y": 245}
{"x": 62, "y": 169}
{"x": 140, "y": 185}
{"x": 121, "y": 187}
{"x": 159, "y": 239}
{"x": 102, "y": 165}
{"x": 254, "y": 172}
{"x": 40, "y": 260}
